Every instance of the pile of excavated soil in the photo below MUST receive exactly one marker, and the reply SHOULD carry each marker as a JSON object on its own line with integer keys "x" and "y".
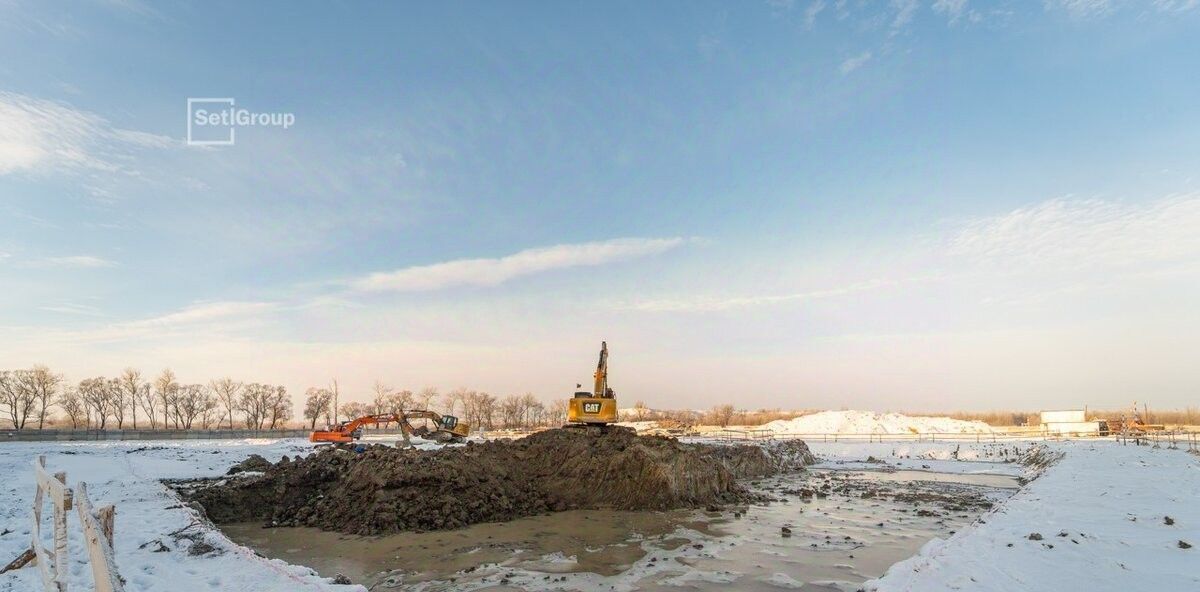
{"x": 386, "y": 490}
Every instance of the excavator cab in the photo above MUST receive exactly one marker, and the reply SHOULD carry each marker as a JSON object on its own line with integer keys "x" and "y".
{"x": 598, "y": 407}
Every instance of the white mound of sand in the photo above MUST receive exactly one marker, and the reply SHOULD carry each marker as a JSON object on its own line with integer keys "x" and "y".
{"x": 868, "y": 422}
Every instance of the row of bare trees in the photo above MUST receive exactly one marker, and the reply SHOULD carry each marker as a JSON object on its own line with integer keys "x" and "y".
{"x": 100, "y": 402}
{"x": 135, "y": 401}
{"x": 480, "y": 409}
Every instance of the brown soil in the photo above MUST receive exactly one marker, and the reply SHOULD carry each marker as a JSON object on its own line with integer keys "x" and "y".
{"x": 386, "y": 490}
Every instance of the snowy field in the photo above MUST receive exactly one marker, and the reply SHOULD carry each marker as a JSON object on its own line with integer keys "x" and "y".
{"x": 1102, "y": 513}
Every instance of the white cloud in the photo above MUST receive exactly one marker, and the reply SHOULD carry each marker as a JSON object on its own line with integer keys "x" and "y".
{"x": 952, "y": 9}
{"x": 810, "y": 14}
{"x": 905, "y": 9}
{"x": 1074, "y": 234}
{"x": 490, "y": 272}
{"x": 851, "y": 64}
{"x": 73, "y": 261}
{"x": 205, "y": 312}
{"x": 40, "y": 136}
{"x": 1081, "y": 8}
{"x": 1176, "y": 5}
{"x": 714, "y": 304}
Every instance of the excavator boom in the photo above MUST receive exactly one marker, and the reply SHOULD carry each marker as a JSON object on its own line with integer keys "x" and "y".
{"x": 447, "y": 427}
{"x": 598, "y": 406}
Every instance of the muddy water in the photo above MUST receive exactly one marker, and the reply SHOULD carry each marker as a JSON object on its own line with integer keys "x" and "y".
{"x": 838, "y": 539}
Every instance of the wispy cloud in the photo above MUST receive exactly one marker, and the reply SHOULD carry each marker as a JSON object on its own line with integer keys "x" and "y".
{"x": 1081, "y": 8}
{"x": 851, "y": 64}
{"x": 45, "y": 136}
{"x": 1071, "y": 234}
{"x": 204, "y": 312}
{"x": 953, "y": 10}
{"x": 494, "y": 271}
{"x": 810, "y": 14}
{"x": 74, "y": 309}
{"x": 715, "y": 304}
{"x": 72, "y": 262}
{"x": 905, "y": 10}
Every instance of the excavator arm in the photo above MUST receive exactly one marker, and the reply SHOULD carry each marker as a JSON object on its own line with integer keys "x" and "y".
{"x": 601, "y": 388}
{"x": 447, "y": 427}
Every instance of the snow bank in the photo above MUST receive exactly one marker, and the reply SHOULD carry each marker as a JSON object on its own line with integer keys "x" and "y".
{"x": 867, "y": 422}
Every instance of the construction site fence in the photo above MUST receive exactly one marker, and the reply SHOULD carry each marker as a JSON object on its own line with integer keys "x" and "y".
{"x": 95, "y": 435}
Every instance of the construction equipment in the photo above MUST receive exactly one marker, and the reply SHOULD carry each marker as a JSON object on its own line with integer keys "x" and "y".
{"x": 446, "y": 428}
{"x": 598, "y": 407}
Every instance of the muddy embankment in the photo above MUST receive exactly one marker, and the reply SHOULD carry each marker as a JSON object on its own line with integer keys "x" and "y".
{"x": 386, "y": 489}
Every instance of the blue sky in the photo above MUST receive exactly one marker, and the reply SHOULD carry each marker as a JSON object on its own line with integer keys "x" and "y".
{"x": 890, "y": 205}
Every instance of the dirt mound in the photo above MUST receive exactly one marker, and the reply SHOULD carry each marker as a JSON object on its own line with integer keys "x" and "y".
{"x": 385, "y": 489}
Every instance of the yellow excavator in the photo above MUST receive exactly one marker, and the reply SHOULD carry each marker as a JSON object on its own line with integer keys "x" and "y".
{"x": 598, "y": 407}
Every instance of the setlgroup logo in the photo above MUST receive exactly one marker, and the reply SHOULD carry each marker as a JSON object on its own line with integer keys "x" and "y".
{"x": 214, "y": 121}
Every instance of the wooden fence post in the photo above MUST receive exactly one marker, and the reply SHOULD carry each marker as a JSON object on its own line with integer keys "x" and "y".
{"x": 99, "y": 545}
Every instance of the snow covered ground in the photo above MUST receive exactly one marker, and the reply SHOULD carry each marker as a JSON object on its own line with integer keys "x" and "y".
{"x": 869, "y": 422}
{"x": 1109, "y": 517}
{"x": 127, "y": 474}
{"x": 1111, "y": 501}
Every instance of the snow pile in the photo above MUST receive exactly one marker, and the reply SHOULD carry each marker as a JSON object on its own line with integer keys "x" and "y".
{"x": 867, "y": 422}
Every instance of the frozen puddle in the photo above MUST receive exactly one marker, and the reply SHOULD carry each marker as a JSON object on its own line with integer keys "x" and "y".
{"x": 845, "y": 527}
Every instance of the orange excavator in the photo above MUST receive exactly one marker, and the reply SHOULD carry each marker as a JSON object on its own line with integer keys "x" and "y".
{"x": 446, "y": 428}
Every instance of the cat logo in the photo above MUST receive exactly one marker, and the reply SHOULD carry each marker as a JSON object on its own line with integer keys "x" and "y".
{"x": 591, "y": 407}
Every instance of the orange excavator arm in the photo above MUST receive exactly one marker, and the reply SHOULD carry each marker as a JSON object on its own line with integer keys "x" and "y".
{"x": 446, "y": 426}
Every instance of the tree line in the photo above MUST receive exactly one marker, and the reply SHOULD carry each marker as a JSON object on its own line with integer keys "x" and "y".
{"x": 101, "y": 403}
{"x": 30, "y": 397}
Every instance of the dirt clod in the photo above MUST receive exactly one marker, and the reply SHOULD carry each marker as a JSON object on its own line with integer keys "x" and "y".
{"x": 385, "y": 490}
{"x": 254, "y": 463}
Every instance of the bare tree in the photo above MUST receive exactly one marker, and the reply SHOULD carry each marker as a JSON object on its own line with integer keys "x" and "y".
{"x": 317, "y": 402}
{"x": 253, "y": 404}
{"x": 721, "y": 415}
{"x": 379, "y": 401}
{"x": 280, "y": 406}
{"x": 131, "y": 389}
{"x": 227, "y": 391}
{"x": 352, "y": 410}
{"x": 166, "y": 389}
{"x": 97, "y": 395}
{"x": 426, "y": 396}
{"x": 453, "y": 399}
{"x": 558, "y": 412}
{"x": 640, "y": 410}
{"x": 398, "y": 401}
{"x": 189, "y": 402}
{"x": 210, "y": 410}
{"x": 44, "y": 385}
{"x": 17, "y": 396}
{"x": 72, "y": 404}
{"x": 510, "y": 411}
{"x": 149, "y": 403}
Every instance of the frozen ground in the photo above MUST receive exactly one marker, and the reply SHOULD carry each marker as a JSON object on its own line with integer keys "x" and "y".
{"x": 1112, "y": 503}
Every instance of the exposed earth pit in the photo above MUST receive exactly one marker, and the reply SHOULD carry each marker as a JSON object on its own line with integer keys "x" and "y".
{"x": 385, "y": 490}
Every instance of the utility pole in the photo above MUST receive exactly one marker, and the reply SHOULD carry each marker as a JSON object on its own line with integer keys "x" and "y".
{"x": 335, "y": 402}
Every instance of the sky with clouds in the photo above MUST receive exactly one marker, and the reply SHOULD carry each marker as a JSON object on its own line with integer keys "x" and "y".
{"x": 905, "y": 205}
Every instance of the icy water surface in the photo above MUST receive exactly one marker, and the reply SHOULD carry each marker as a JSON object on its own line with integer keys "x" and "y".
{"x": 845, "y": 527}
